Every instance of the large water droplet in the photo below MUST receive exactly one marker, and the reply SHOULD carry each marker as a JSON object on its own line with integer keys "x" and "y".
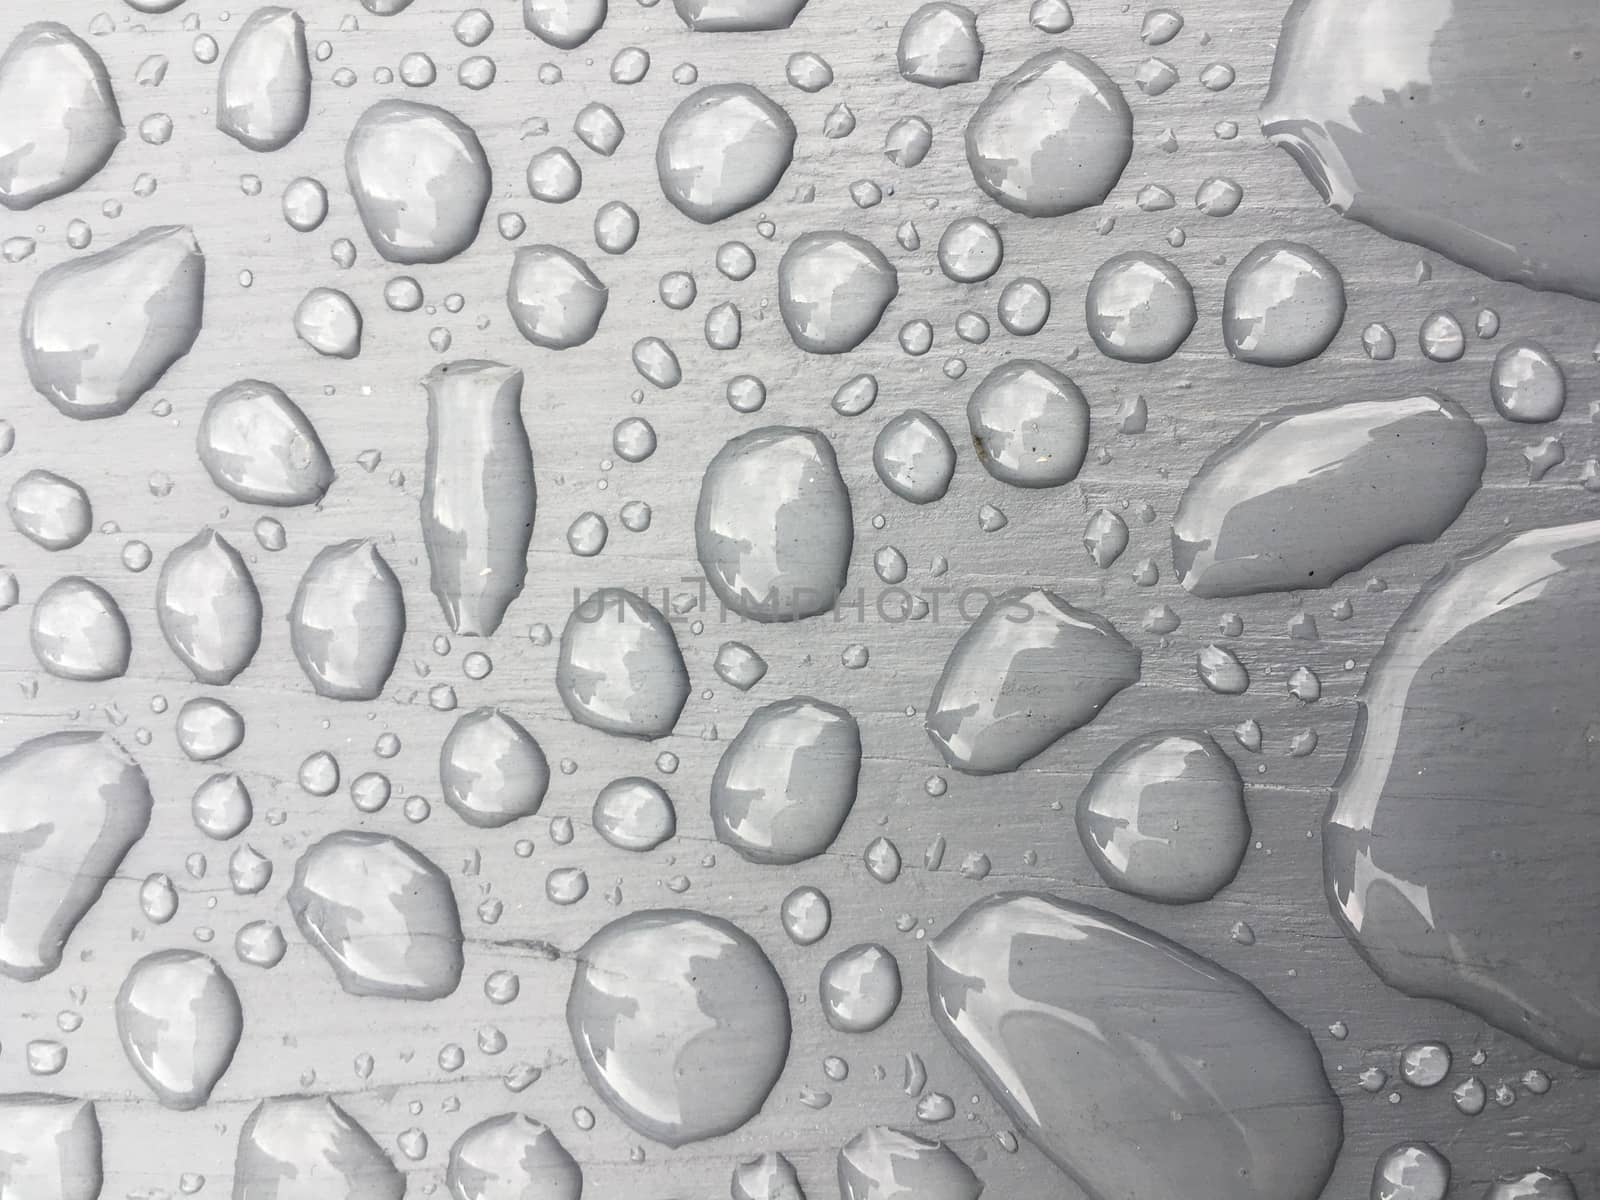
{"x": 665, "y": 1000}
{"x": 308, "y": 1148}
{"x": 1052, "y": 137}
{"x": 99, "y": 331}
{"x": 59, "y": 121}
{"x": 478, "y": 495}
{"x": 1527, "y": 384}
{"x": 1163, "y": 818}
{"x": 420, "y": 180}
{"x": 833, "y": 289}
{"x": 1309, "y": 493}
{"x": 787, "y": 782}
{"x": 347, "y": 621}
{"x": 258, "y": 446}
{"x": 1283, "y": 304}
{"x": 512, "y": 1157}
{"x": 1410, "y": 1171}
{"x": 179, "y": 1020}
{"x": 78, "y": 631}
{"x": 564, "y": 24}
{"x": 1094, "y": 1033}
{"x": 1139, "y": 307}
{"x": 491, "y": 770}
{"x": 768, "y": 1176}
{"x": 1394, "y": 134}
{"x": 381, "y": 914}
{"x": 264, "y": 83}
{"x": 880, "y": 1163}
{"x": 1030, "y": 424}
{"x": 554, "y": 298}
{"x": 71, "y": 805}
{"x": 208, "y": 608}
{"x": 50, "y": 1147}
{"x": 1029, "y": 670}
{"x": 722, "y": 150}
{"x": 737, "y": 16}
{"x": 774, "y": 526}
{"x": 620, "y": 668}
{"x": 939, "y": 45}
{"x": 1449, "y": 808}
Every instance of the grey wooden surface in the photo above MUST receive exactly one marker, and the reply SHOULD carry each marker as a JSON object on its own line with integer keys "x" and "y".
{"x": 302, "y": 1032}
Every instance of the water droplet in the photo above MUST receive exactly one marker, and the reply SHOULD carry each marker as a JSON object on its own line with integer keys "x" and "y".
{"x": 492, "y": 770}
{"x": 739, "y": 666}
{"x": 259, "y": 447}
{"x": 1283, "y": 305}
{"x": 1527, "y": 384}
{"x": 264, "y": 83}
{"x": 1030, "y": 424}
{"x": 71, "y": 805}
{"x": 61, "y": 120}
{"x": 880, "y": 1163}
{"x": 908, "y": 141}
{"x": 1221, "y": 671}
{"x": 78, "y": 631}
{"x": 1050, "y": 16}
{"x": 99, "y": 331}
{"x": 722, "y": 150}
{"x": 859, "y": 988}
{"x": 309, "y": 1146}
{"x": 806, "y": 916}
{"x": 1425, "y": 1064}
{"x": 1105, "y": 537}
{"x": 179, "y": 1021}
{"x": 512, "y": 1155}
{"x": 1307, "y": 494}
{"x": 381, "y": 914}
{"x": 1164, "y": 818}
{"x": 787, "y": 782}
{"x": 1052, "y": 137}
{"x": 554, "y": 176}
{"x": 50, "y": 1145}
{"x": 833, "y": 288}
{"x": 1140, "y": 307}
{"x": 1029, "y": 670}
{"x": 664, "y": 999}
{"x": 1538, "y": 1184}
{"x": 221, "y": 807}
{"x": 478, "y": 496}
{"x": 1024, "y": 985}
{"x": 564, "y": 24}
{"x": 634, "y": 814}
{"x": 329, "y": 322}
{"x": 1441, "y": 337}
{"x": 1438, "y": 915}
{"x": 768, "y": 1176}
{"x": 208, "y": 608}
{"x": 1410, "y": 1171}
{"x": 620, "y": 668}
{"x": 49, "y": 510}
{"x": 737, "y": 16}
{"x": 347, "y": 621}
{"x": 774, "y": 526}
{"x": 419, "y": 178}
{"x": 914, "y": 457}
{"x": 1377, "y": 340}
{"x": 855, "y": 395}
{"x": 939, "y": 45}
{"x": 970, "y": 250}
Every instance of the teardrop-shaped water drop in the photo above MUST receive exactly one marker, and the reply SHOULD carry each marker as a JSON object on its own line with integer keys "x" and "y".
{"x": 491, "y": 770}
{"x": 347, "y": 621}
{"x": 208, "y": 608}
{"x": 59, "y": 121}
{"x": 264, "y": 83}
{"x": 382, "y": 915}
{"x": 419, "y": 178}
{"x": 71, "y": 805}
{"x": 99, "y": 331}
{"x": 774, "y": 525}
{"x": 665, "y": 999}
{"x": 1029, "y": 670}
{"x": 308, "y": 1148}
{"x": 258, "y": 446}
{"x": 786, "y": 784}
{"x": 620, "y": 668}
{"x": 78, "y": 631}
{"x": 180, "y": 1021}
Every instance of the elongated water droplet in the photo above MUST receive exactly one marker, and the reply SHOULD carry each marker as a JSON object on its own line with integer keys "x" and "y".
{"x": 50, "y": 1146}
{"x": 774, "y": 526}
{"x": 1163, "y": 817}
{"x": 60, "y": 123}
{"x": 179, "y": 1020}
{"x": 308, "y": 1148}
{"x": 78, "y": 631}
{"x": 347, "y": 621}
{"x": 420, "y": 180}
{"x": 722, "y": 150}
{"x": 1029, "y": 670}
{"x": 208, "y": 608}
{"x": 786, "y": 784}
{"x": 71, "y": 805}
{"x": 620, "y": 668}
{"x": 491, "y": 770}
{"x": 1439, "y": 792}
{"x": 478, "y": 496}
{"x": 665, "y": 999}
{"x": 264, "y": 83}
{"x": 1092, "y": 1031}
{"x": 258, "y": 446}
{"x": 382, "y": 915}
{"x": 99, "y": 331}
{"x": 1052, "y": 137}
{"x": 1307, "y": 494}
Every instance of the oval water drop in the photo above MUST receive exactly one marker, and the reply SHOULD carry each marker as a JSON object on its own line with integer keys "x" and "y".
{"x": 264, "y": 83}
{"x": 634, "y": 814}
{"x": 208, "y": 608}
{"x": 491, "y": 770}
{"x": 259, "y": 447}
{"x": 60, "y": 121}
{"x": 308, "y": 1148}
{"x": 512, "y": 1157}
{"x": 347, "y": 621}
{"x": 722, "y": 150}
{"x": 833, "y": 289}
{"x": 914, "y": 457}
{"x": 880, "y": 1163}
{"x": 1030, "y": 424}
{"x": 179, "y": 1021}
{"x": 1283, "y": 304}
{"x": 78, "y": 631}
